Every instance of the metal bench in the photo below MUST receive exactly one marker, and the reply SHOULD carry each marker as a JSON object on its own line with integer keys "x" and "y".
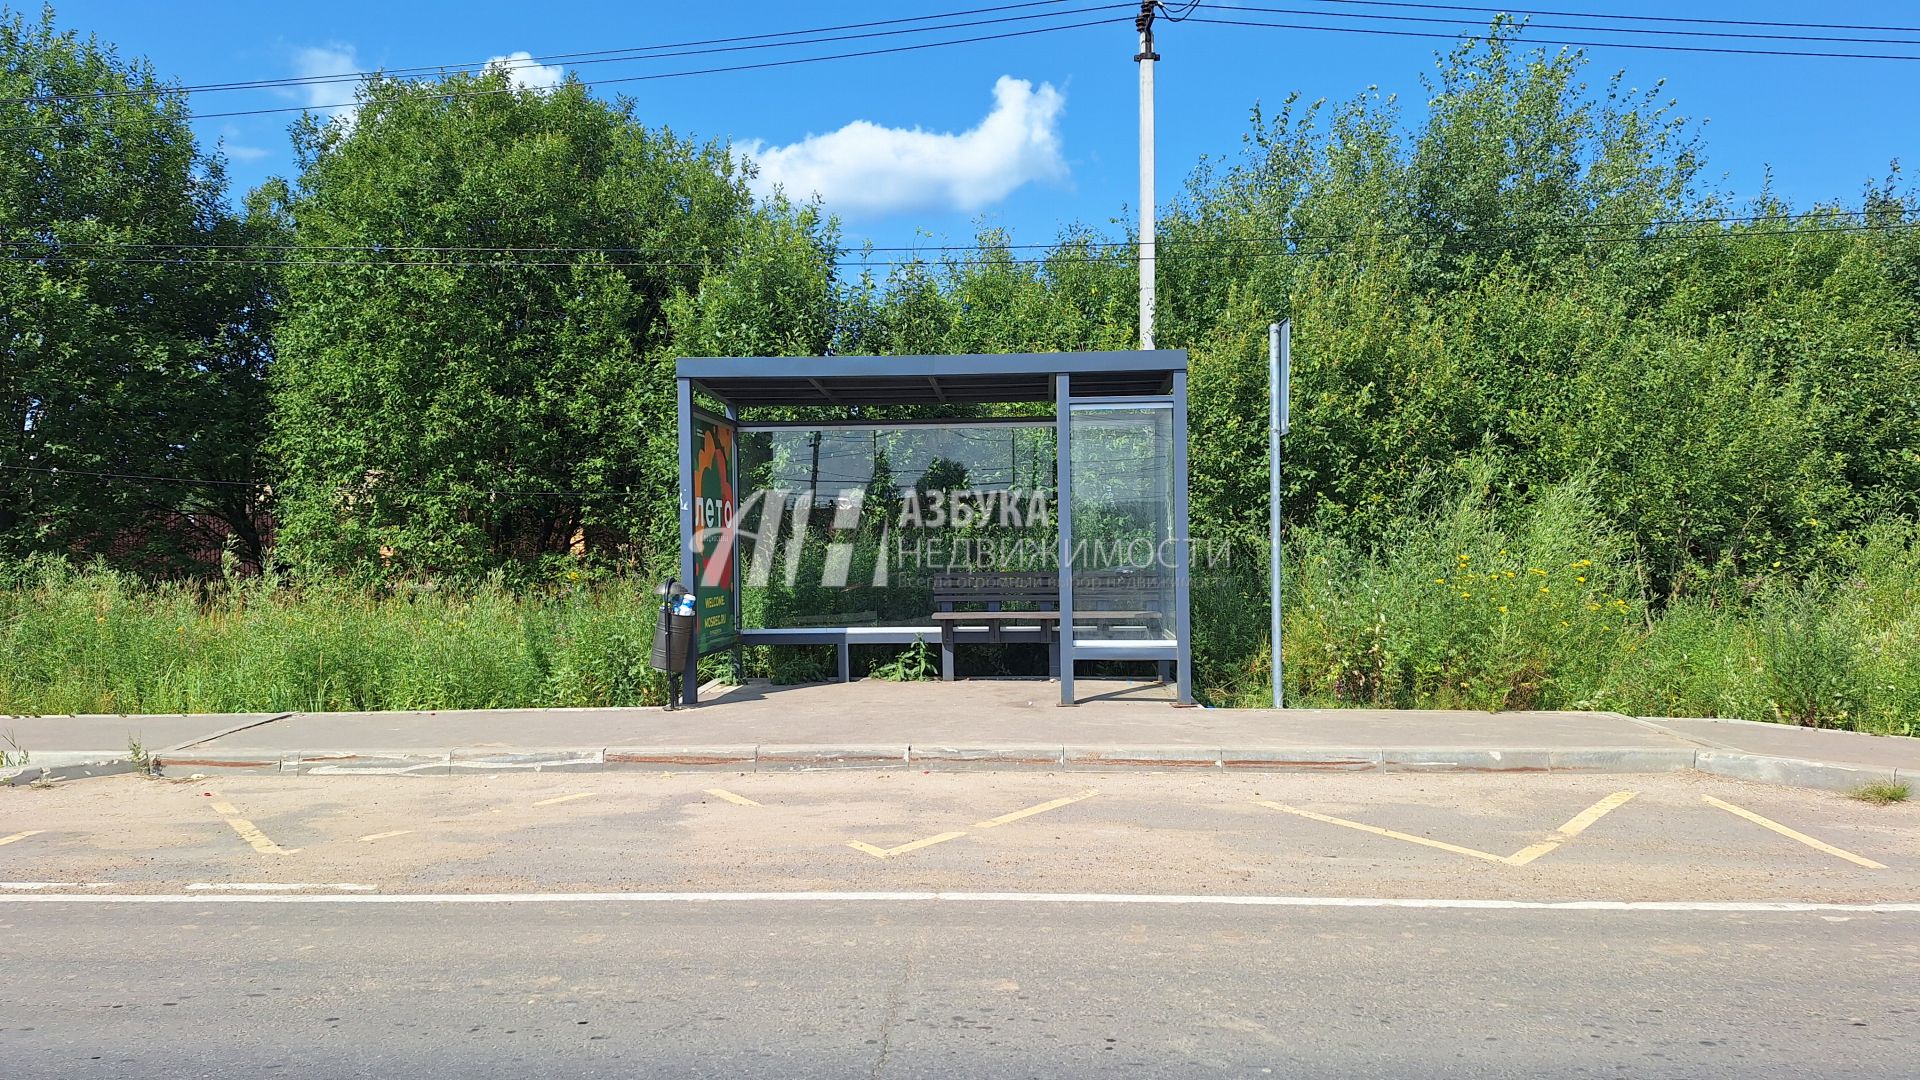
{"x": 1027, "y": 605}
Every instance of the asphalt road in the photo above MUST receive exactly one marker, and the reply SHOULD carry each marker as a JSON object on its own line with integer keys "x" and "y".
{"x": 1674, "y": 837}
{"x": 786, "y": 989}
{"x": 391, "y": 927}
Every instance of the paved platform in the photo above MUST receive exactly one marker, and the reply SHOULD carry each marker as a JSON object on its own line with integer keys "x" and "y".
{"x": 1005, "y": 723}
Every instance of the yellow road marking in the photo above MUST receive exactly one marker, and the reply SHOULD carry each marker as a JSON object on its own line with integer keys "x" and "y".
{"x": 249, "y": 832}
{"x": 566, "y": 798}
{"x": 1378, "y": 831}
{"x": 887, "y": 853}
{"x": 1792, "y": 834}
{"x": 384, "y": 835}
{"x": 1574, "y": 827}
{"x": 737, "y": 800}
{"x": 5, "y": 840}
{"x": 1056, "y": 804}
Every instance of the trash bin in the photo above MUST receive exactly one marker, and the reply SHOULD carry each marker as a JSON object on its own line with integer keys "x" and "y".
{"x": 673, "y": 634}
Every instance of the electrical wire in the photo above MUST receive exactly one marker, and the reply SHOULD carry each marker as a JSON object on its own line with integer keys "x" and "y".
{"x": 451, "y": 95}
{"x": 1524, "y": 28}
{"x": 636, "y": 52}
{"x": 914, "y": 249}
{"x": 1471, "y": 36}
{"x": 760, "y": 66}
{"x": 376, "y": 486}
{"x": 1107, "y": 250}
{"x": 854, "y": 263}
{"x": 1615, "y": 15}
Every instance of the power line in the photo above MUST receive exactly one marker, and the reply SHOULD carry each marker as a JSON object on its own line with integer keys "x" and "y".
{"x": 636, "y": 52}
{"x": 1469, "y": 36}
{"x": 768, "y": 64}
{"x": 1834, "y": 214}
{"x": 1522, "y": 27}
{"x": 376, "y": 486}
{"x": 1613, "y": 15}
{"x": 1112, "y": 252}
{"x": 451, "y": 95}
{"x": 600, "y": 56}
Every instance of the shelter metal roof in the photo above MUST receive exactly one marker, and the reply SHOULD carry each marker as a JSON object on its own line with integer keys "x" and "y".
{"x": 749, "y": 381}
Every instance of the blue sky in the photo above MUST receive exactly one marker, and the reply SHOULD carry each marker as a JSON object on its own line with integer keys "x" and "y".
{"x": 1029, "y": 133}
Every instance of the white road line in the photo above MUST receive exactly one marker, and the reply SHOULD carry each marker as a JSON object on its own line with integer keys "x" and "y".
{"x": 1736, "y": 906}
{"x": 30, "y": 885}
{"x": 275, "y": 886}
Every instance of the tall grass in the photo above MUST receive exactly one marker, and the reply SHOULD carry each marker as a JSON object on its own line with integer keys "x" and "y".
{"x": 94, "y": 640}
{"x": 1467, "y": 608}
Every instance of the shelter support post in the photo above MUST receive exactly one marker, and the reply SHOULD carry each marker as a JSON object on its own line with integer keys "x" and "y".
{"x": 1063, "y": 470}
{"x": 732, "y": 538}
{"x": 1182, "y": 546}
{"x": 690, "y": 678}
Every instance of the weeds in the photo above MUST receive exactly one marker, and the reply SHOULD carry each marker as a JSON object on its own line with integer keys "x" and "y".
{"x": 93, "y": 640}
{"x": 914, "y": 664}
{"x": 1881, "y": 794}
{"x": 1472, "y": 607}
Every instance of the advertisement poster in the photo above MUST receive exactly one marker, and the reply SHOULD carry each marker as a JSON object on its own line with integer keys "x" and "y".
{"x": 714, "y": 503}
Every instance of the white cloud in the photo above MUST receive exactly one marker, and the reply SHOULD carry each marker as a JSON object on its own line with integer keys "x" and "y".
{"x": 525, "y": 74}
{"x": 239, "y": 151}
{"x": 864, "y": 168}
{"x": 322, "y": 61}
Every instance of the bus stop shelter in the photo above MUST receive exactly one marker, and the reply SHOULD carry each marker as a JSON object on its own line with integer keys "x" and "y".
{"x": 831, "y": 500}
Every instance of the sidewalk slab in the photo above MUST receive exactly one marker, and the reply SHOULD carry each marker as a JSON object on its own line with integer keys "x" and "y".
{"x": 1009, "y": 724}
{"x": 1785, "y": 740}
{"x": 957, "y": 714}
{"x": 153, "y": 731}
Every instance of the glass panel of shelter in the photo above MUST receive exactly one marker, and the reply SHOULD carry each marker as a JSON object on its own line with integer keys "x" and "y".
{"x": 847, "y": 524}
{"x": 1123, "y": 529}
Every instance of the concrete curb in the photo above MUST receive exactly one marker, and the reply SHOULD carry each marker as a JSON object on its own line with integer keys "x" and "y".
{"x": 1761, "y": 768}
{"x": 1792, "y": 772}
{"x": 34, "y": 773}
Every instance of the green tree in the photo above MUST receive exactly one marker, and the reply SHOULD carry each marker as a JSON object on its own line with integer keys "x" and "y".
{"x": 476, "y": 366}
{"x": 134, "y": 329}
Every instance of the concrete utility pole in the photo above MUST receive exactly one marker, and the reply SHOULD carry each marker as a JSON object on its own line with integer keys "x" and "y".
{"x": 1145, "y": 58}
{"x": 1279, "y": 406}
